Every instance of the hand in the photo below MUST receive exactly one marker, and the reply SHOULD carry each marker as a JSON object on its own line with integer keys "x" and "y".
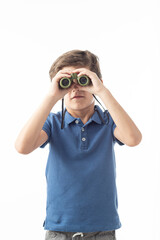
{"x": 97, "y": 85}
{"x": 55, "y": 90}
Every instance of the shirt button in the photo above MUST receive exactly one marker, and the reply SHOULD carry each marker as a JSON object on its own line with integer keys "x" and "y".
{"x": 82, "y": 129}
{"x": 83, "y": 139}
{"x": 76, "y": 121}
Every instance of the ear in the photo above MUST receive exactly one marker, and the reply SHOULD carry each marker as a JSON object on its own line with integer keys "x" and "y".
{"x": 101, "y": 80}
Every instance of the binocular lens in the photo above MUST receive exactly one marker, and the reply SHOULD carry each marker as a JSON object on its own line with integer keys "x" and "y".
{"x": 65, "y": 82}
{"x": 83, "y": 81}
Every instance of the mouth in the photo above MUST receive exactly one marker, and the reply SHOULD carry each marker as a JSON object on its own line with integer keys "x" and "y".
{"x": 77, "y": 97}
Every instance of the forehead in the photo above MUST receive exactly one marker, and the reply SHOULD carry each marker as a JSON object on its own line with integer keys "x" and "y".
{"x": 71, "y": 68}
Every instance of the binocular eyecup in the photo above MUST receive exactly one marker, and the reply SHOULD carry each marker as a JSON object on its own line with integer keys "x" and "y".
{"x": 82, "y": 80}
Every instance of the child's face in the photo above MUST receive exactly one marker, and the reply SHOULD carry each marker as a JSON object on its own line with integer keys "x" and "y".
{"x": 78, "y": 99}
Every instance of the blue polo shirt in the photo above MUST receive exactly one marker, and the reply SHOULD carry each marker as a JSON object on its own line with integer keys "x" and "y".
{"x": 81, "y": 174}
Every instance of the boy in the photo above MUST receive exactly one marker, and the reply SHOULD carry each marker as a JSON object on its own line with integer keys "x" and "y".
{"x": 81, "y": 171}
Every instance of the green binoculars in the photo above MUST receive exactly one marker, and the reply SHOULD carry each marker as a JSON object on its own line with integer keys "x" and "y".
{"x": 82, "y": 80}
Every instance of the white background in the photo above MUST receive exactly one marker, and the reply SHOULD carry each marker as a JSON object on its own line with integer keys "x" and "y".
{"x": 125, "y": 35}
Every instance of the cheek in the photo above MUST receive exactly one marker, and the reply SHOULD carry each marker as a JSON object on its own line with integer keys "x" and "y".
{"x": 90, "y": 98}
{"x": 66, "y": 98}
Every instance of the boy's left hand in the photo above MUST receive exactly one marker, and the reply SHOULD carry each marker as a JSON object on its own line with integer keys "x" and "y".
{"x": 97, "y": 85}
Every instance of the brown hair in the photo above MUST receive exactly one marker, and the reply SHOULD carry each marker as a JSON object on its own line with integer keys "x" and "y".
{"x": 76, "y": 58}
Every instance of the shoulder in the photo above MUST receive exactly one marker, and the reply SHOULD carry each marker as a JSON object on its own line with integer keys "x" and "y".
{"x": 54, "y": 116}
{"x": 55, "y": 120}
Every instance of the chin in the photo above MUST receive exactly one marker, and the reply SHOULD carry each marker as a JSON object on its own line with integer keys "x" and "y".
{"x": 79, "y": 106}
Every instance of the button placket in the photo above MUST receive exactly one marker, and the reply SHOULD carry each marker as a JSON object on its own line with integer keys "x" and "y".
{"x": 83, "y": 138}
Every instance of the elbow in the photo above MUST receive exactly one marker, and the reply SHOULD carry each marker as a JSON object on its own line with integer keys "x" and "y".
{"x": 134, "y": 141}
{"x": 21, "y": 149}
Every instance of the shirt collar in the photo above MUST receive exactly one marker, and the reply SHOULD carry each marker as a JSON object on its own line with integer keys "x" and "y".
{"x": 95, "y": 117}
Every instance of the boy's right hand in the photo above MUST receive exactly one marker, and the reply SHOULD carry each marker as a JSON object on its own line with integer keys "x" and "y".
{"x": 55, "y": 90}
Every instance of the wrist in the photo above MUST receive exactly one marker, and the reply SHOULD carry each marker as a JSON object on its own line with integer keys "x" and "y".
{"x": 51, "y": 98}
{"x": 103, "y": 92}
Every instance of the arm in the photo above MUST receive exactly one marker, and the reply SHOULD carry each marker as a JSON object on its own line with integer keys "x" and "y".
{"x": 27, "y": 139}
{"x": 32, "y": 135}
{"x": 126, "y": 131}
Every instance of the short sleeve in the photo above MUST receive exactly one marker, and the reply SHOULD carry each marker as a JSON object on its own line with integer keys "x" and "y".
{"x": 47, "y": 128}
{"x": 114, "y": 138}
{"x": 113, "y": 126}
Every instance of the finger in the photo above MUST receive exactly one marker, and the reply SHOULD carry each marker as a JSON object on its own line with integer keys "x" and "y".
{"x": 81, "y": 73}
{"x": 65, "y": 71}
{"x": 64, "y": 74}
{"x": 78, "y": 70}
{"x": 58, "y": 77}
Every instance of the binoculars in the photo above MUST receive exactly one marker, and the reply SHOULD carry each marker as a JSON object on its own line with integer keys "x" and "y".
{"x": 82, "y": 80}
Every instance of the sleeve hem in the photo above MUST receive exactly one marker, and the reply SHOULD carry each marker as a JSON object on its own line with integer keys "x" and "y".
{"x": 44, "y": 144}
{"x": 114, "y": 138}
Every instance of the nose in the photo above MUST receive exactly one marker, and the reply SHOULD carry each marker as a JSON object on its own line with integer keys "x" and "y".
{"x": 75, "y": 80}
{"x": 75, "y": 84}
